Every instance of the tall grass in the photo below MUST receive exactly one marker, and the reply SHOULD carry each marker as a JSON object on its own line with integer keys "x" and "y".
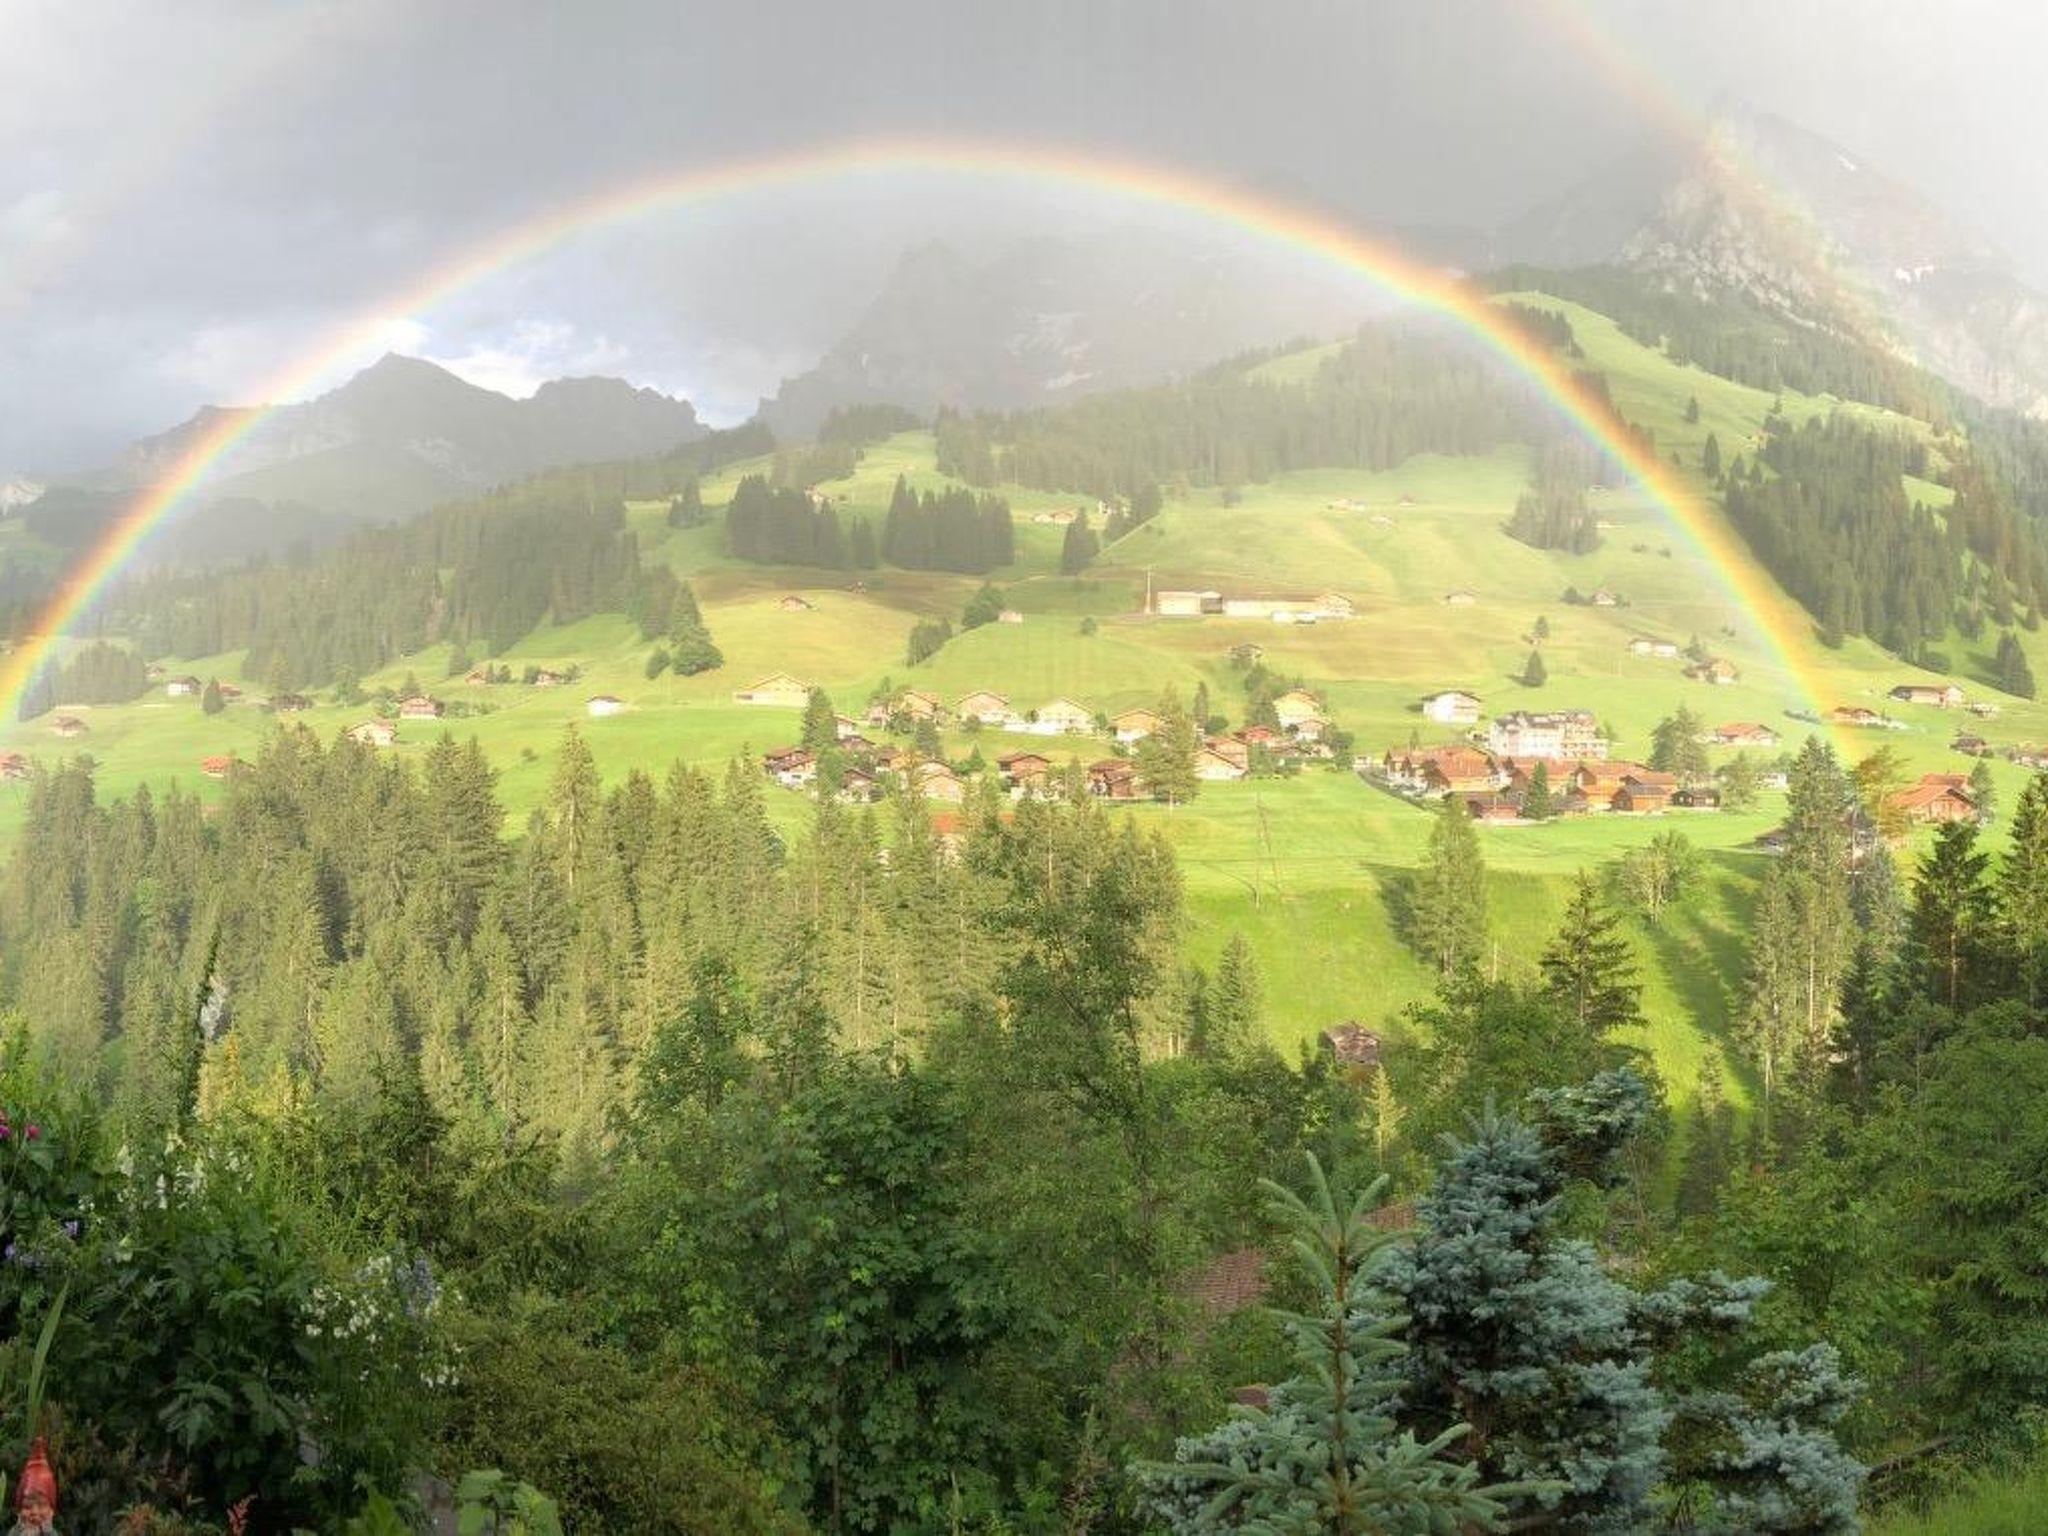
{"x": 1989, "y": 1503}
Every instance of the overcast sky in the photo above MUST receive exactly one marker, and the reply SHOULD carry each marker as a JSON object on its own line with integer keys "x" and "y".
{"x": 193, "y": 194}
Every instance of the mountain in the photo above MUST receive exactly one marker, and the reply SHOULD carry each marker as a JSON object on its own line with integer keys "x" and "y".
{"x": 1047, "y": 318}
{"x": 1785, "y": 217}
{"x": 404, "y": 433}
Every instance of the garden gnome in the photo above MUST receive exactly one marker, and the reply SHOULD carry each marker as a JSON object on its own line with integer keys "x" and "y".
{"x": 35, "y": 1496}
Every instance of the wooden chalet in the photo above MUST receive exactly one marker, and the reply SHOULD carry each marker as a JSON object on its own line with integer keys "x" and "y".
{"x": 1113, "y": 778}
{"x": 1134, "y": 724}
{"x": 777, "y": 690}
{"x": 1938, "y": 798}
{"x": 373, "y": 733}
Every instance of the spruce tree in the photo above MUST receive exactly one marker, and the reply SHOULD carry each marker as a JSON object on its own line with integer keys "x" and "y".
{"x": 1710, "y": 458}
{"x": 820, "y": 724}
{"x": 1589, "y": 969}
{"x": 1233, "y": 1002}
{"x": 1166, "y": 758}
{"x": 1537, "y": 804}
{"x": 1534, "y": 673}
{"x": 1950, "y": 924}
{"x": 1709, "y": 1144}
{"x": 1449, "y": 894}
{"x": 210, "y": 700}
{"x": 2021, "y": 896}
{"x": 1326, "y": 1453}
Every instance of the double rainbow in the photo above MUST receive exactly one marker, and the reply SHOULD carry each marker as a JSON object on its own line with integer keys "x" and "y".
{"x": 1317, "y": 235}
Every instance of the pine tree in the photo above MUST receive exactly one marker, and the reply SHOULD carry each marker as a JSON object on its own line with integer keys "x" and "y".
{"x": 1449, "y": 916}
{"x": 1951, "y": 917}
{"x": 210, "y": 701}
{"x": 1537, "y": 804}
{"x": 1166, "y": 758}
{"x": 1710, "y": 458}
{"x": 2022, "y": 891}
{"x": 1326, "y": 1453}
{"x": 821, "y": 723}
{"x": 1675, "y": 745}
{"x": 1079, "y": 546}
{"x": 1534, "y": 673}
{"x": 1983, "y": 790}
{"x": 1709, "y": 1144}
{"x": 1232, "y": 1005}
{"x": 1589, "y": 969}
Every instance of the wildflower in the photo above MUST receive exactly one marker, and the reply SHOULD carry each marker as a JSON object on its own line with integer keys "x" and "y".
{"x": 71, "y": 1229}
{"x": 33, "y": 1132}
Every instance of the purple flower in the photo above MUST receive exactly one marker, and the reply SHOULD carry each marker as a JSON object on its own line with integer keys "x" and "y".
{"x": 34, "y": 1131}
{"x": 71, "y": 1229}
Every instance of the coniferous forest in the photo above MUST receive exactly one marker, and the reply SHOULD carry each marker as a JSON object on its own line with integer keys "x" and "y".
{"x": 872, "y": 1179}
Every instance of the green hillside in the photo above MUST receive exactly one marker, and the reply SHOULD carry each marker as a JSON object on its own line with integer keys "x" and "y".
{"x": 1299, "y": 865}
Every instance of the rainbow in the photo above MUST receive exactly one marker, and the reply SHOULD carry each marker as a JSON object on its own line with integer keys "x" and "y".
{"x": 1318, "y": 235}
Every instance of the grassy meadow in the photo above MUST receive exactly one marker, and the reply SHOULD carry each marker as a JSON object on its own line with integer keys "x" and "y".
{"x": 1303, "y": 866}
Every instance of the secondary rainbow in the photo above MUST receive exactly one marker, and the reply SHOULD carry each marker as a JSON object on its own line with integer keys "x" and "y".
{"x": 1310, "y": 232}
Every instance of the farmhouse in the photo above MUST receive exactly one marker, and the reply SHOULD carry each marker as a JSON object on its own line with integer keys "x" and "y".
{"x": 68, "y": 726}
{"x": 1134, "y": 724}
{"x": 1940, "y": 695}
{"x": 1452, "y": 707}
{"x": 1258, "y": 736}
{"x": 547, "y": 677}
{"x": 373, "y": 733}
{"x": 1296, "y": 707}
{"x": 1024, "y": 772}
{"x": 476, "y": 677}
{"x": 1058, "y": 518}
{"x": 216, "y": 767}
{"x": 1455, "y": 769}
{"x": 602, "y": 704}
{"x": 1743, "y": 733}
{"x": 1213, "y": 765}
{"x": 1186, "y": 605}
{"x": 792, "y": 767}
{"x": 1645, "y": 792}
{"x": 1714, "y": 670}
{"x": 1491, "y": 807}
{"x": 1938, "y": 797}
{"x": 1113, "y": 778}
{"x": 1971, "y": 745}
{"x": 1569, "y": 733}
{"x": 1854, "y": 714}
{"x": 1351, "y": 1044}
{"x": 420, "y": 707}
{"x": 1063, "y": 717}
{"x": 229, "y": 693}
{"x": 1651, "y": 645}
{"x": 183, "y": 687}
{"x": 919, "y": 705}
{"x": 856, "y": 786}
{"x": 937, "y": 781}
{"x": 1604, "y": 598}
{"x": 778, "y": 690}
{"x": 984, "y": 708}
{"x": 846, "y": 728}
{"x": 1697, "y": 797}
{"x": 1009, "y": 616}
{"x": 288, "y": 703}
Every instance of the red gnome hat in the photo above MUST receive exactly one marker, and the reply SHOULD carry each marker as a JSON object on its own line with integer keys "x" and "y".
{"x": 37, "y": 1477}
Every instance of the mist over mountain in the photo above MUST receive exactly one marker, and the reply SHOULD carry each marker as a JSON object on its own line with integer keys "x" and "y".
{"x": 1769, "y": 211}
{"x": 1045, "y": 319}
{"x": 405, "y": 433}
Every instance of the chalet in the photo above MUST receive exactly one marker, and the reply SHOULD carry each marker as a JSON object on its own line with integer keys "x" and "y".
{"x": 1259, "y": 736}
{"x": 778, "y": 690}
{"x": 1009, "y": 616}
{"x": 1025, "y": 771}
{"x": 1113, "y": 778}
{"x": 13, "y": 766}
{"x": 856, "y": 786}
{"x": 288, "y": 703}
{"x": 216, "y": 767}
{"x": 1697, "y": 797}
{"x": 420, "y": 707}
{"x": 373, "y": 733}
{"x": 1351, "y": 1044}
{"x": 183, "y": 687}
{"x": 1134, "y": 724}
{"x": 1186, "y": 605}
{"x": 1057, "y": 518}
{"x": 1448, "y": 770}
{"x": 1714, "y": 670}
{"x": 919, "y": 705}
{"x": 154, "y": 672}
{"x": 1247, "y": 654}
{"x": 1601, "y": 779}
{"x": 1491, "y": 807}
{"x": 1743, "y": 733}
{"x": 794, "y": 604}
{"x": 1650, "y": 645}
{"x": 1937, "y": 798}
{"x": 602, "y": 704}
{"x": 1452, "y": 707}
{"x": 1063, "y": 717}
{"x": 476, "y": 677}
{"x": 1461, "y": 597}
{"x": 1983, "y": 709}
{"x": 857, "y": 743}
{"x": 1603, "y": 598}
{"x": 68, "y": 726}
{"x": 1971, "y": 745}
{"x": 1570, "y": 733}
{"x": 984, "y": 708}
{"x": 1311, "y": 729}
{"x": 1212, "y": 765}
{"x": 792, "y": 767}
{"x": 229, "y": 693}
{"x": 1940, "y": 695}
{"x": 1645, "y": 793}
{"x": 937, "y": 781}
{"x": 2029, "y": 757}
{"x": 1296, "y": 707}
{"x": 1854, "y": 714}
{"x": 846, "y": 728}
{"x": 548, "y": 677}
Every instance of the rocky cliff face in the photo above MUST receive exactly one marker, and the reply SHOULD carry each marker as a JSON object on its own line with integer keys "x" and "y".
{"x": 1791, "y": 220}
